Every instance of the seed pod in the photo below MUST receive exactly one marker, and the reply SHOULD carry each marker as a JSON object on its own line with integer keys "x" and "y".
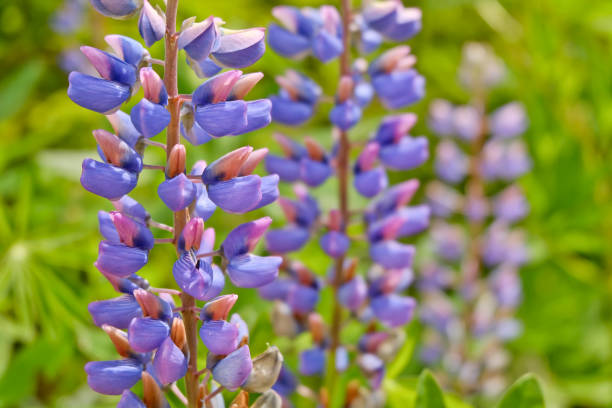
{"x": 266, "y": 368}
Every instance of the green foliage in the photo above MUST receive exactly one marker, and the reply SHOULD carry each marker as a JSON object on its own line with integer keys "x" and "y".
{"x": 428, "y": 394}
{"x": 524, "y": 393}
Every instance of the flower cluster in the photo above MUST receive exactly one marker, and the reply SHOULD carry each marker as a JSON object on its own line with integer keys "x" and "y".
{"x": 477, "y": 205}
{"x": 158, "y": 340}
{"x": 369, "y": 289}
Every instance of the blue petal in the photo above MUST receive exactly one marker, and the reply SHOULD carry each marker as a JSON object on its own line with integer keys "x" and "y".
{"x": 96, "y": 94}
{"x": 204, "y": 207}
{"x": 370, "y": 183}
{"x": 334, "y": 243}
{"x": 400, "y": 88}
{"x": 241, "y": 49}
{"x": 312, "y": 361}
{"x": 120, "y": 260}
{"x": 199, "y": 39}
{"x": 269, "y": 190}
{"x": 223, "y": 118}
{"x": 204, "y": 68}
{"x": 128, "y": 49}
{"x": 258, "y": 115}
{"x": 238, "y": 195}
{"x": 353, "y": 293}
{"x": 117, "y": 312}
{"x": 130, "y": 400}
{"x": 404, "y": 30}
{"x": 151, "y": 25}
{"x": 326, "y": 46}
{"x": 277, "y": 289}
{"x": 233, "y": 370}
{"x": 107, "y": 228}
{"x": 302, "y": 299}
{"x": 110, "y": 67}
{"x": 219, "y": 336}
{"x": 116, "y": 8}
{"x": 409, "y": 153}
{"x": 286, "y": 169}
{"x": 288, "y": 239}
{"x": 244, "y": 237}
{"x": 193, "y": 278}
{"x": 177, "y": 193}
{"x": 146, "y": 334}
{"x": 113, "y": 377}
{"x": 285, "y": 42}
{"x": 128, "y": 206}
{"x": 286, "y": 383}
{"x": 289, "y": 112}
{"x": 251, "y": 271}
{"x": 123, "y": 127}
{"x": 393, "y": 310}
{"x": 195, "y": 134}
{"x": 345, "y": 115}
{"x": 314, "y": 173}
{"x": 170, "y": 363}
{"x": 149, "y": 118}
{"x": 392, "y": 254}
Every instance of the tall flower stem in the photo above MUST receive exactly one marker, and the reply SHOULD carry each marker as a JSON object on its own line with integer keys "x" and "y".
{"x": 343, "y": 175}
{"x": 180, "y": 217}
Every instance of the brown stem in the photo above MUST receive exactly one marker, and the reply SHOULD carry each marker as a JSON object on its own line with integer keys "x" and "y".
{"x": 343, "y": 175}
{"x": 180, "y": 217}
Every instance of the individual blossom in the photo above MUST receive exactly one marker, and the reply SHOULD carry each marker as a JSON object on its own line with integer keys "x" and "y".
{"x": 296, "y": 100}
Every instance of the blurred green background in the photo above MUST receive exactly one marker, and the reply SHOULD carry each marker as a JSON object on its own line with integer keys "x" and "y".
{"x": 558, "y": 54}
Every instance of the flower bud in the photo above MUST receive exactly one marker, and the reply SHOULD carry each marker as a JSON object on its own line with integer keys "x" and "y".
{"x": 152, "y": 305}
{"x": 345, "y": 88}
{"x": 152, "y": 395}
{"x": 266, "y": 368}
{"x": 227, "y": 166}
{"x": 252, "y": 161}
{"x": 218, "y": 308}
{"x": 153, "y": 86}
{"x": 131, "y": 232}
{"x": 244, "y": 85}
{"x": 316, "y": 327}
{"x": 176, "y": 161}
{"x": 119, "y": 339}
{"x": 151, "y": 24}
{"x": 269, "y": 399}
{"x": 177, "y": 332}
{"x": 191, "y": 237}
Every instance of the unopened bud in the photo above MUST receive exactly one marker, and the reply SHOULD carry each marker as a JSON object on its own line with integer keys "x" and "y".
{"x": 252, "y": 161}
{"x": 316, "y": 327}
{"x": 152, "y": 395}
{"x": 266, "y": 368}
{"x": 151, "y": 305}
{"x": 191, "y": 236}
{"x": 227, "y": 166}
{"x": 315, "y": 150}
{"x": 241, "y": 400}
{"x": 176, "y": 161}
{"x": 119, "y": 339}
{"x": 269, "y": 399}
{"x": 153, "y": 86}
{"x": 177, "y": 333}
{"x": 218, "y": 308}
{"x": 345, "y": 88}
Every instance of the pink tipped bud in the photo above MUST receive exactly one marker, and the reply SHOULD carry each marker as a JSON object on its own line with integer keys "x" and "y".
{"x": 289, "y": 86}
{"x": 392, "y": 227}
{"x": 244, "y": 85}
{"x": 285, "y": 143}
{"x": 288, "y": 208}
{"x": 176, "y": 161}
{"x": 150, "y": 304}
{"x": 315, "y": 150}
{"x": 253, "y": 160}
{"x": 390, "y": 59}
{"x": 368, "y": 156}
{"x": 125, "y": 226}
{"x": 226, "y": 167}
{"x": 345, "y": 88}
{"x": 153, "y": 86}
{"x": 335, "y": 220}
{"x": 192, "y": 234}
{"x": 218, "y": 308}
{"x": 303, "y": 274}
{"x": 119, "y": 339}
{"x": 113, "y": 148}
{"x": 316, "y": 327}
{"x": 406, "y": 63}
{"x": 406, "y": 190}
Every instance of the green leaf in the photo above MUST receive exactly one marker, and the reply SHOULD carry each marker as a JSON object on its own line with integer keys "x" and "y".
{"x": 403, "y": 357}
{"x": 429, "y": 394}
{"x": 524, "y": 393}
{"x": 14, "y": 90}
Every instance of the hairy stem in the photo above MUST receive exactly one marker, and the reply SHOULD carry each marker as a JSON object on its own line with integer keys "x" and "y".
{"x": 180, "y": 217}
{"x": 343, "y": 175}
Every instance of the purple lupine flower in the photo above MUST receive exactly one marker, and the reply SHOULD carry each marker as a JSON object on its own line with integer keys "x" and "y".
{"x": 146, "y": 334}
{"x": 218, "y": 335}
{"x": 347, "y": 111}
{"x": 151, "y": 24}
{"x": 170, "y": 363}
{"x": 395, "y": 81}
{"x": 117, "y": 312}
{"x": 392, "y": 19}
{"x": 312, "y": 361}
{"x": 245, "y": 269}
{"x": 126, "y": 48}
{"x": 239, "y": 48}
{"x": 508, "y": 121}
{"x": 296, "y": 100}
{"x": 510, "y": 204}
{"x": 335, "y": 243}
{"x": 352, "y": 294}
{"x": 315, "y": 168}
{"x": 393, "y": 310}
{"x": 317, "y": 31}
{"x": 234, "y": 369}
{"x": 150, "y": 116}
{"x": 130, "y": 400}
{"x": 398, "y": 150}
{"x": 443, "y": 200}
{"x": 451, "y": 164}
{"x": 467, "y": 122}
{"x": 369, "y": 180}
{"x": 198, "y": 39}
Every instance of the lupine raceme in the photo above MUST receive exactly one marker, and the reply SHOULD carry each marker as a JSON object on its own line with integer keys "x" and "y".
{"x": 366, "y": 273}
{"x": 157, "y": 332}
{"x": 471, "y": 292}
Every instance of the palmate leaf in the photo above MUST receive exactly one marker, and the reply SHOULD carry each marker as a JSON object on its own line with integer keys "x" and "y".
{"x": 524, "y": 393}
